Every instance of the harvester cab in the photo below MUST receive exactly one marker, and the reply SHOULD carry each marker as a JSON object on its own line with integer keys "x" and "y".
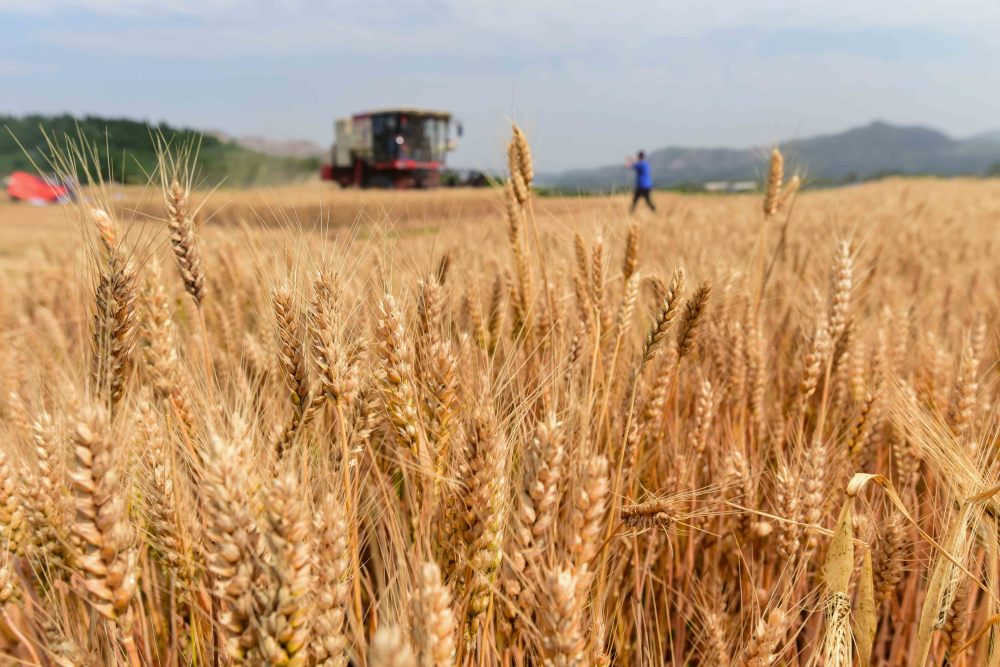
{"x": 392, "y": 148}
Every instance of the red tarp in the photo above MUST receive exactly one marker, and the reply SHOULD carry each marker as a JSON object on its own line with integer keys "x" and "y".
{"x": 28, "y": 187}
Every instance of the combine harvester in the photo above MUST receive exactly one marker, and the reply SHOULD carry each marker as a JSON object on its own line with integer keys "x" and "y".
{"x": 394, "y": 148}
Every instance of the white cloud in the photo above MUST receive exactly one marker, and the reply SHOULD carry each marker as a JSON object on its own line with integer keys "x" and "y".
{"x": 516, "y": 30}
{"x": 120, "y": 7}
{"x": 560, "y": 21}
{"x": 11, "y": 67}
{"x": 591, "y": 77}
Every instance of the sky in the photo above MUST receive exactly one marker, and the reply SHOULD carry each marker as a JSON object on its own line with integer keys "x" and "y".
{"x": 590, "y": 80}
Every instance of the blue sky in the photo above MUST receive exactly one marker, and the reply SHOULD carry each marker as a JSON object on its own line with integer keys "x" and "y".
{"x": 589, "y": 80}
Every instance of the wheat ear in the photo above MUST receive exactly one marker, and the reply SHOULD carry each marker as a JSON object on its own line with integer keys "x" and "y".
{"x": 284, "y": 625}
{"x": 183, "y": 241}
{"x": 331, "y": 563}
{"x": 435, "y": 621}
{"x": 107, "y": 553}
{"x": 389, "y": 648}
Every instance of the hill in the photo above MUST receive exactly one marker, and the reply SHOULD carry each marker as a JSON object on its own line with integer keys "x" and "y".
{"x": 860, "y": 153}
{"x": 129, "y": 147}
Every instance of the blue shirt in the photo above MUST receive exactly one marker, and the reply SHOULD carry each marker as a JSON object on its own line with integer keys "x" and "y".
{"x": 643, "y": 175}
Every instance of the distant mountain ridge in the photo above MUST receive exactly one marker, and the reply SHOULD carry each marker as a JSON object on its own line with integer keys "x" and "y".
{"x": 856, "y": 154}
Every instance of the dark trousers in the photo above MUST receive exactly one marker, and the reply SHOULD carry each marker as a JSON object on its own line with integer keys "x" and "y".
{"x": 642, "y": 193}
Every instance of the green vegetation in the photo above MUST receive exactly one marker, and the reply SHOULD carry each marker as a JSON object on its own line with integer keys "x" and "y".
{"x": 128, "y": 146}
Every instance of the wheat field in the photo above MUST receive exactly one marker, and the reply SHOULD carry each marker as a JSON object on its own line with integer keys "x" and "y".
{"x": 304, "y": 427}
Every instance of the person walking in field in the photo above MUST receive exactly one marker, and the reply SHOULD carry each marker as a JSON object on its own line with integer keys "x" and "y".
{"x": 643, "y": 181}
